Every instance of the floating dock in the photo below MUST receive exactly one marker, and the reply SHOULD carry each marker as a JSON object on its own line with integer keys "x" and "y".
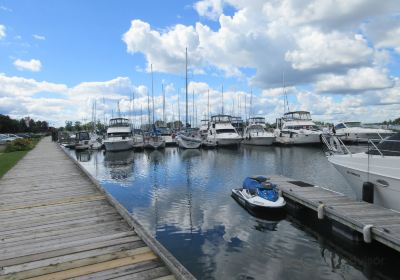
{"x": 370, "y": 221}
{"x": 57, "y": 222}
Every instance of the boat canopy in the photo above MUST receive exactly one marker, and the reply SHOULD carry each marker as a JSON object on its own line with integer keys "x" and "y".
{"x": 257, "y": 120}
{"x": 82, "y": 135}
{"x": 352, "y": 124}
{"x": 389, "y": 146}
{"x": 119, "y": 122}
{"x": 297, "y": 115}
{"x": 236, "y": 120}
{"x": 221, "y": 118}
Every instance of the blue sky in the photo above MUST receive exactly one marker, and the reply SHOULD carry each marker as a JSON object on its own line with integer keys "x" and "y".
{"x": 342, "y": 64}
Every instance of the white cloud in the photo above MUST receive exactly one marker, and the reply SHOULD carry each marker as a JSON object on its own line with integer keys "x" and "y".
{"x": 384, "y": 32}
{"x": 211, "y": 9}
{"x": 359, "y": 79}
{"x": 320, "y": 50}
{"x": 33, "y": 65}
{"x": 2, "y": 31}
{"x": 39, "y": 37}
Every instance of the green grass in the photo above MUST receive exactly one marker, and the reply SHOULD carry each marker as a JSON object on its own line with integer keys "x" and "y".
{"x": 8, "y": 160}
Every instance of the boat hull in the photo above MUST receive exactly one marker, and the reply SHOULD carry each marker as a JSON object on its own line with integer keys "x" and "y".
{"x": 259, "y": 141}
{"x": 226, "y": 142}
{"x": 121, "y": 145}
{"x": 382, "y": 176}
{"x": 298, "y": 139}
{"x": 188, "y": 142}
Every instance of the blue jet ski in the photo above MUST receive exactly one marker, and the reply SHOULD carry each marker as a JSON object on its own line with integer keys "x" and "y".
{"x": 258, "y": 194}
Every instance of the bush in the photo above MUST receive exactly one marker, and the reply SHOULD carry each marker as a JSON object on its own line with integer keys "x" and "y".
{"x": 20, "y": 144}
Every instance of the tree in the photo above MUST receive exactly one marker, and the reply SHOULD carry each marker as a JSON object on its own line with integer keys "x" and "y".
{"x": 68, "y": 126}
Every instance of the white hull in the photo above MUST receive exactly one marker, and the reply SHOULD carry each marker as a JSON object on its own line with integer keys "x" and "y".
{"x": 299, "y": 139}
{"x": 154, "y": 145}
{"x": 120, "y": 145}
{"x": 260, "y": 141}
{"x": 188, "y": 142}
{"x": 383, "y": 173}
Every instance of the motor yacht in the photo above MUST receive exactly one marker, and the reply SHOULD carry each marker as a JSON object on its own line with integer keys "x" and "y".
{"x": 222, "y": 133}
{"x": 82, "y": 139}
{"x": 256, "y": 133}
{"x": 119, "y": 135}
{"x": 355, "y": 132}
{"x": 374, "y": 175}
{"x": 297, "y": 127}
{"x": 259, "y": 194}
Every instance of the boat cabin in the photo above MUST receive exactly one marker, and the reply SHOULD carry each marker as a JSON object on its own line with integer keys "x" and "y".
{"x": 82, "y": 136}
{"x": 221, "y": 119}
{"x": 257, "y": 120}
{"x": 118, "y": 122}
{"x": 297, "y": 115}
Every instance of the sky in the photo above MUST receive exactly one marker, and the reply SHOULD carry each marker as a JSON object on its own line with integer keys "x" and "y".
{"x": 338, "y": 59}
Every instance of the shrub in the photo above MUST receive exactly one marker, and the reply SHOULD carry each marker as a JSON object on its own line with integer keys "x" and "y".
{"x": 20, "y": 144}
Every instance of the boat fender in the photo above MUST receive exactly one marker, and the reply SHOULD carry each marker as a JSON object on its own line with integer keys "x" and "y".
{"x": 367, "y": 233}
{"x": 368, "y": 192}
{"x": 320, "y": 211}
{"x": 335, "y": 144}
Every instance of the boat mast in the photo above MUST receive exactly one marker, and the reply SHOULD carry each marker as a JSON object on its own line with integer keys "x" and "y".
{"x": 186, "y": 85}
{"x": 251, "y": 102}
{"x": 192, "y": 122}
{"x": 148, "y": 106}
{"x": 152, "y": 89}
{"x": 179, "y": 112}
{"x": 163, "y": 110}
{"x": 208, "y": 104}
{"x": 222, "y": 96}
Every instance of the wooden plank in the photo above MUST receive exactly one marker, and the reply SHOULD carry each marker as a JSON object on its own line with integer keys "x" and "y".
{"x": 77, "y": 263}
{"x": 155, "y": 273}
{"x": 97, "y": 267}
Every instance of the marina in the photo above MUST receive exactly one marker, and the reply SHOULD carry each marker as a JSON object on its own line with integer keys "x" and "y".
{"x": 57, "y": 224}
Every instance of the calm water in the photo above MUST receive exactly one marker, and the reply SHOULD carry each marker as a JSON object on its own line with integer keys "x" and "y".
{"x": 183, "y": 198}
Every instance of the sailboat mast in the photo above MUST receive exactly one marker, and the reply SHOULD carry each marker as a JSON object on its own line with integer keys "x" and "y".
{"x": 186, "y": 85}
{"x": 192, "y": 122}
{"x": 148, "y": 106}
{"x": 163, "y": 110}
{"x": 222, "y": 96}
{"x": 152, "y": 89}
{"x": 208, "y": 104}
{"x": 251, "y": 102}
{"x": 179, "y": 111}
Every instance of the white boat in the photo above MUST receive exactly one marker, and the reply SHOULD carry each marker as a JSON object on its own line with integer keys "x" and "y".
{"x": 204, "y": 128}
{"x": 222, "y": 133}
{"x": 119, "y": 135}
{"x": 355, "y": 132}
{"x": 95, "y": 142}
{"x": 258, "y": 194}
{"x": 154, "y": 142}
{"x": 138, "y": 139}
{"x": 256, "y": 133}
{"x": 189, "y": 139}
{"x": 82, "y": 140}
{"x": 373, "y": 175}
{"x": 297, "y": 127}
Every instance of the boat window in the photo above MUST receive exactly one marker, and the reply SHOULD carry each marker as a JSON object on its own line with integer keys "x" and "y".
{"x": 221, "y": 118}
{"x": 353, "y": 124}
{"x": 83, "y": 136}
{"x": 340, "y": 126}
{"x": 118, "y": 134}
{"x": 301, "y": 115}
{"x": 389, "y": 146}
{"x": 226, "y": 130}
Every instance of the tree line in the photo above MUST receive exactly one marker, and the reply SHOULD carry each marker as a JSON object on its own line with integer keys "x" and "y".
{"x": 9, "y": 125}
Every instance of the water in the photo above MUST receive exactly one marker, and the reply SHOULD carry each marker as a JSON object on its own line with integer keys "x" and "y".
{"x": 183, "y": 198}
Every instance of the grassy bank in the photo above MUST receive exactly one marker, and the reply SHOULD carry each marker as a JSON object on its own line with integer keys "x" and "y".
{"x": 10, "y": 158}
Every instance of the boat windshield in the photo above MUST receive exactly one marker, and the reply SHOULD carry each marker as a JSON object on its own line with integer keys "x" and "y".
{"x": 298, "y": 115}
{"x": 221, "y": 118}
{"x": 119, "y": 122}
{"x": 298, "y": 127}
{"x": 82, "y": 136}
{"x": 353, "y": 124}
{"x": 389, "y": 146}
{"x": 257, "y": 128}
{"x": 226, "y": 130}
{"x": 258, "y": 120}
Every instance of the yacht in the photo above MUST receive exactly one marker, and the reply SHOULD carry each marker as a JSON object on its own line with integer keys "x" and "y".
{"x": 189, "y": 139}
{"x": 297, "y": 127}
{"x": 222, "y": 133}
{"x": 82, "y": 140}
{"x": 256, "y": 133}
{"x": 153, "y": 140}
{"x": 166, "y": 135}
{"x": 355, "y": 132}
{"x": 119, "y": 135}
{"x": 374, "y": 175}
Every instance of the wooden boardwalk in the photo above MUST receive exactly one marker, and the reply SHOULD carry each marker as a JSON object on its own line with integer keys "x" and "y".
{"x": 56, "y": 223}
{"x": 383, "y": 225}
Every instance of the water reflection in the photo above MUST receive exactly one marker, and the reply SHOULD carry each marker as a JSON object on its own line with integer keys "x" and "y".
{"x": 83, "y": 156}
{"x": 183, "y": 198}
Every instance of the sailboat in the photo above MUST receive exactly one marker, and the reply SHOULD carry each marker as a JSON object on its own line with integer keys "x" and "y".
{"x": 190, "y": 137}
{"x": 153, "y": 140}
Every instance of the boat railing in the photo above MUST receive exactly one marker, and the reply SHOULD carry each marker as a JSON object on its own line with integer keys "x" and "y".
{"x": 334, "y": 144}
{"x": 386, "y": 147}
